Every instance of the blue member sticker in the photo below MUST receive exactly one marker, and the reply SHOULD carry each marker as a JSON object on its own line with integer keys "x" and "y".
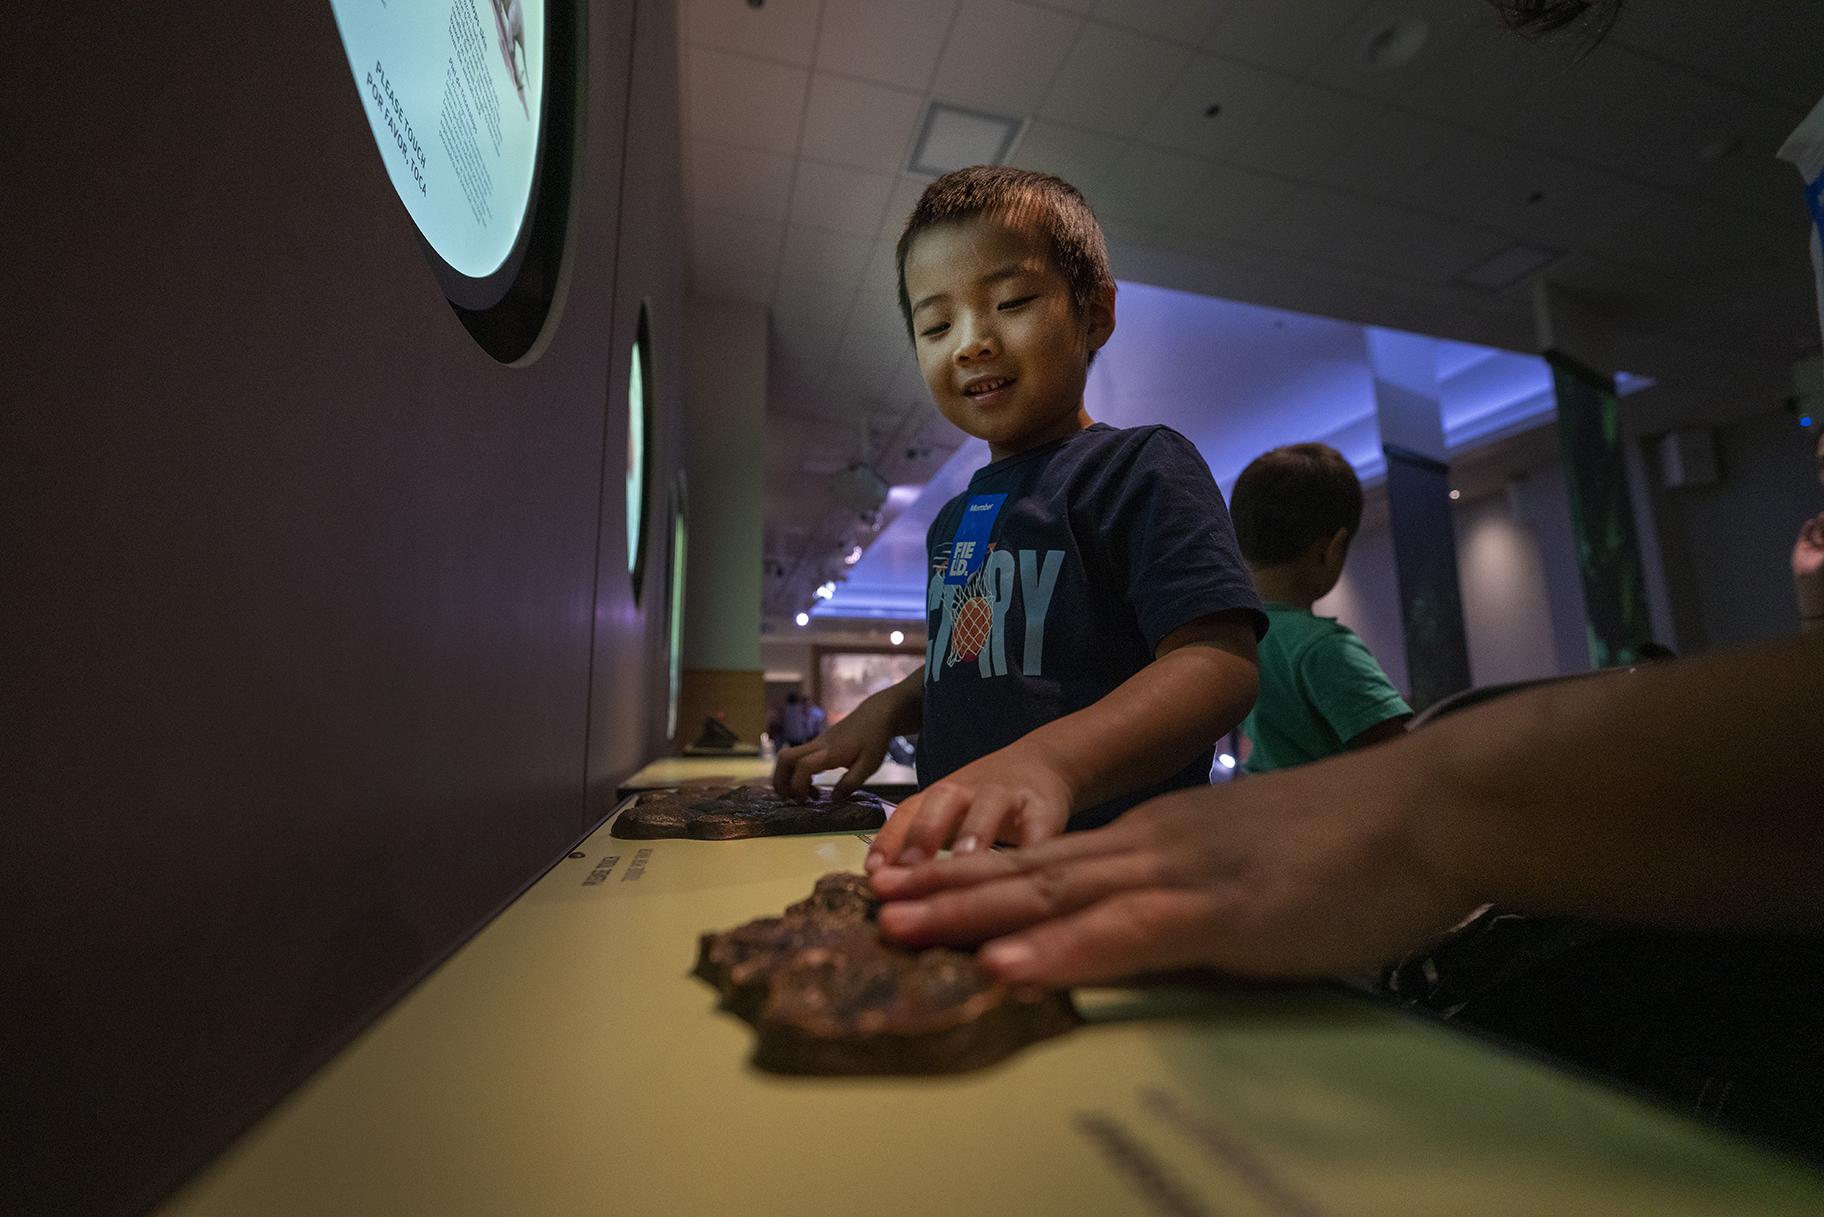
{"x": 969, "y": 548}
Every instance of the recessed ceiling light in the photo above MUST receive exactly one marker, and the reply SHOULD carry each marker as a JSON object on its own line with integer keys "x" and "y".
{"x": 1508, "y": 267}
{"x": 953, "y": 137}
{"x": 1456, "y": 494}
{"x": 1395, "y": 44}
{"x": 803, "y": 619}
{"x": 896, "y": 637}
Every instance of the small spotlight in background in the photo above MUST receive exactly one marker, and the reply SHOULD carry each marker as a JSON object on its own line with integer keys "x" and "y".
{"x": 803, "y": 619}
{"x": 1226, "y": 761}
{"x": 896, "y": 637}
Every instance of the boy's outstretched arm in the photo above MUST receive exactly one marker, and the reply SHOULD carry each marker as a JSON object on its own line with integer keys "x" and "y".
{"x": 1684, "y": 793}
{"x": 858, "y": 743}
{"x": 1202, "y": 681}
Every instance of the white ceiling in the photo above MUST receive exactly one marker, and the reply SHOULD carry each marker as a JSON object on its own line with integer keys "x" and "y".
{"x": 1323, "y": 184}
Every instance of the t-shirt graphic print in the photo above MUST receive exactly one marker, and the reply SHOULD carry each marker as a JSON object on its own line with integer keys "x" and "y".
{"x": 1053, "y": 578}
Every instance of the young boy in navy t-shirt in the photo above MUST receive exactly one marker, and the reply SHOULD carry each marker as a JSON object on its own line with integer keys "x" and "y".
{"x": 1092, "y": 625}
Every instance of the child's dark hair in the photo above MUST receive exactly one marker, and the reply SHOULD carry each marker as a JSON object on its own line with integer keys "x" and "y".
{"x": 1049, "y": 205}
{"x": 1537, "y": 18}
{"x": 1287, "y": 498}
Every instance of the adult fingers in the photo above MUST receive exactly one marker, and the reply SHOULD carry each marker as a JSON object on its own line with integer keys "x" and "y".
{"x": 1014, "y": 902}
{"x": 941, "y": 874}
{"x": 863, "y": 767}
{"x": 1126, "y": 935}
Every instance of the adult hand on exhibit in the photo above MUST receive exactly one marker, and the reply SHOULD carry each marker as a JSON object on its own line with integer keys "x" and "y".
{"x": 1278, "y": 876}
{"x": 1011, "y": 795}
{"x": 1681, "y": 794}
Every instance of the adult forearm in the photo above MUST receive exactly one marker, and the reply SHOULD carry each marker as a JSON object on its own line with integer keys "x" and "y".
{"x": 1685, "y": 792}
{"x": 1149, "y": 726}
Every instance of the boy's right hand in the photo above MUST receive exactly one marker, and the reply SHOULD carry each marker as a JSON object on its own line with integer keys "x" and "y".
{"x": 858, "y": 743}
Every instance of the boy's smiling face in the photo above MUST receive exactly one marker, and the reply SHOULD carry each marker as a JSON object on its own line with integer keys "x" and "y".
{"x": 1002, "y": 348}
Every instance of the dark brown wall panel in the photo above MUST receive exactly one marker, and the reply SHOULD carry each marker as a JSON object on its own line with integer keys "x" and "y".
{"x": 650, "y": 274}
{"x": 301, "y": 585}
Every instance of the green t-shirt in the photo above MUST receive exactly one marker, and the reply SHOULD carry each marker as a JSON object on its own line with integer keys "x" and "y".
{"x": 1319, "y": 688}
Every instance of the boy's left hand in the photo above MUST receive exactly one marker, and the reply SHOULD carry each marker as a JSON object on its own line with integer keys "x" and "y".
{"x": 1008, "y": 795}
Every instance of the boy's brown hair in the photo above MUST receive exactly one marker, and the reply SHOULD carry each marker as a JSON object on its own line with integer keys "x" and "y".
{"x": 1048, "y": 205}
{"x": 1287, "y": 498}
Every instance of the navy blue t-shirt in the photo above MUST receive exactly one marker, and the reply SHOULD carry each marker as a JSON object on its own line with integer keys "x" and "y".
{"x": 1055, "y": 575}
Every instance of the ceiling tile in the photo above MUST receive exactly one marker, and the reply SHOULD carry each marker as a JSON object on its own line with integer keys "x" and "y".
{"x": 1081, "y": 158}
{"x": 974, "y": 64}
{"x": 1113, "y": 80}
{"x": 1244, "y": 94}
{"x": 1286, "y": 35}
{"x": 854, "y": 385}
{"x": 1231, "y": 202}
{"x": 747, "y": 289}
{"x": 733, "y": 245}
{"x": 906, "y": 193}
{"x": 1687, "y": 235}
{"x": 1126, "y": 236}
{"x": 876, "y": 307}
{"x": 807, "y": 319}
{"x": 727, "y": 178}
{"x": 894, "y": 42}
{"x": 739, "y": 100}
{"x": 1344, "y": 64}
{"x": 832, "y": 257}
{"x": 1769, "y": 47}
{"x": 1149, "y": 185}
{"x": 864, "y": 363}
{"x": 1472, "y": 72}
{"x": 1452, "y": 182}
{"x": 1555, "y": 202}
{"x": 784, "y": 29}
{"x": 851, "y": 122}
{"x": 1388, "y": 154}
{"x": 790, "y": 381}
{"x": 1305, "y": 133}
{"x": 1186, "y": 21}
{"x": 839, "y": 197}
{"x": 1763, "y": 184}
{"x": 1391, "y": 239}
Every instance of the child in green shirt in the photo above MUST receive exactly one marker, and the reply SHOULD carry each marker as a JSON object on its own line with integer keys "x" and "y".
{"x": 1321, "y": 692}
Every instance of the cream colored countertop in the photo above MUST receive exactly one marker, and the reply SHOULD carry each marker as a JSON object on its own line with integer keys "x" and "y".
{"x": 565, "y": 1064}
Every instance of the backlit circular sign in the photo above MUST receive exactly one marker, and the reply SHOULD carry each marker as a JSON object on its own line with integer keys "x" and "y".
{"x": 454, "y": 92}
